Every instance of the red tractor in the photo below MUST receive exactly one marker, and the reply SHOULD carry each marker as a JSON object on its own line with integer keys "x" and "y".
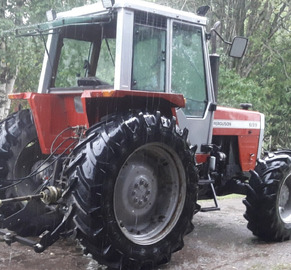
{"x": 124, "y": 136}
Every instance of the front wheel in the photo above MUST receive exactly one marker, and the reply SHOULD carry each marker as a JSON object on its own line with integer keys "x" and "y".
{"x": 268, "y": 202}
{"x": 134, "y": 190}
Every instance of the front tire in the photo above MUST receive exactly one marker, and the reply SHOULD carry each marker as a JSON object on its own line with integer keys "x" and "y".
{"x": 268, "y": 202}
{"x": 134, "y": 188}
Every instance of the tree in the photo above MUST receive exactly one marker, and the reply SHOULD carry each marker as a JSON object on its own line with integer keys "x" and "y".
{"x": 8, "y": 72}
{"x": 21, "y": 59}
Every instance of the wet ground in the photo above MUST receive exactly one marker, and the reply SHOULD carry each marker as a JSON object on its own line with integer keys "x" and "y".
{"x": 220, "y": 241}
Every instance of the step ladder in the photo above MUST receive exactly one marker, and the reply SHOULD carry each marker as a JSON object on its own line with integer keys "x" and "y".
{"x": 210, "y": 182}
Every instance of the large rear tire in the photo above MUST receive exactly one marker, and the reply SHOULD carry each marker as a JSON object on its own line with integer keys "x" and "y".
{"x": 134, "y": 187}
{"x": 20, "y": 155}
{"x": 268, "y": 202}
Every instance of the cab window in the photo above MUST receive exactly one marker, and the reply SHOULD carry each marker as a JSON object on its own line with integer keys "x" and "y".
{"x": 149, "y": 53}
{"x": 86, "y": 56}
{"x": 188, "y": 70}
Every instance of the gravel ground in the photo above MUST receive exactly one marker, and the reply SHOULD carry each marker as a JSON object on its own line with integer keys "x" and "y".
{"x": 220, "y": 240}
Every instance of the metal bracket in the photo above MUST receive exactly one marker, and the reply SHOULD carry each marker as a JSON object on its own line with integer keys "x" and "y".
{"x": 46, "y": 239}
{"x": 11, "y": 237}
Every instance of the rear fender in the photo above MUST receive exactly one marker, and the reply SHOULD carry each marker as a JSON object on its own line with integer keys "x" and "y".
{"x": 55, "y": 114}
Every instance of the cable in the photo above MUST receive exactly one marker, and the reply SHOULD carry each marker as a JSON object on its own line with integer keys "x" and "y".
{"x": 61, "y": 133}
{"x": 53, "y": 152}
{"x": 48, "y": 180}
{"x": 20, "y": 180}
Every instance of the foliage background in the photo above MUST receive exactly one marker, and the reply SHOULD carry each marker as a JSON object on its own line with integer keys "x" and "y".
{"x": 262, "y": 77}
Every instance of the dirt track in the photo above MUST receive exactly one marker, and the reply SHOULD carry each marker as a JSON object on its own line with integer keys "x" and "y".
{"x": 220, "y": 241}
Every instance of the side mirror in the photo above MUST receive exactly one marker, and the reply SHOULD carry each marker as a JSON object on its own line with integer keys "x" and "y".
{"x": 238, "y": 47}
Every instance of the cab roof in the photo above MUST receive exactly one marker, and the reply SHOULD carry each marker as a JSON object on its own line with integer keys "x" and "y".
{"x": 138, "y": 5}
{"x": 97, "y": 13}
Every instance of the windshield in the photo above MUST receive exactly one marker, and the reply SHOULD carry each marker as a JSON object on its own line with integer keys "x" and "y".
{"x": 85, "y": 56}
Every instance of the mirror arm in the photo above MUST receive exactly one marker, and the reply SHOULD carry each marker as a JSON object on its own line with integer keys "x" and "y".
{"x": 224, "y": 41}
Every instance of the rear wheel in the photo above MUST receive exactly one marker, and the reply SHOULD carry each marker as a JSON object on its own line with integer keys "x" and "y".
{"x": 20, "y": 155}
{"x": 268, "y": 202}
{"x": 134, "y": 186}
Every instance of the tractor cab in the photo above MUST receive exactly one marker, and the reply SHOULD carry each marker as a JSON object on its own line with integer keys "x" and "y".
{"x": 156, "y": 53}
{"x": 137, "y": 46}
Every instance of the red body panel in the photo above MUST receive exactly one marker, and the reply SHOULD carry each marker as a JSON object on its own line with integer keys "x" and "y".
{"x": 246, "y": 125}
{"x": 202, "y": 158}
{"x": 54, "y": 113}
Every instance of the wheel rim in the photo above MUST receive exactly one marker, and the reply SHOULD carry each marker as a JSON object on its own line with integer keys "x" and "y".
{"x": 285, "y": 200}
{"x": 149, "y": 193}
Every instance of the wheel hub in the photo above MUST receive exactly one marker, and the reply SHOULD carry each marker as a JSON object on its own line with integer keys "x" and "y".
{"x": 42, "y": 171}
{"x": 139, "y": 189}
{"x": 32, "y": 165}
{"x": 141, "y": 194}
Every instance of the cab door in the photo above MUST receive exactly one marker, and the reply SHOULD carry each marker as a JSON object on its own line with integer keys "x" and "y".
{"x": 189, "y": 77}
